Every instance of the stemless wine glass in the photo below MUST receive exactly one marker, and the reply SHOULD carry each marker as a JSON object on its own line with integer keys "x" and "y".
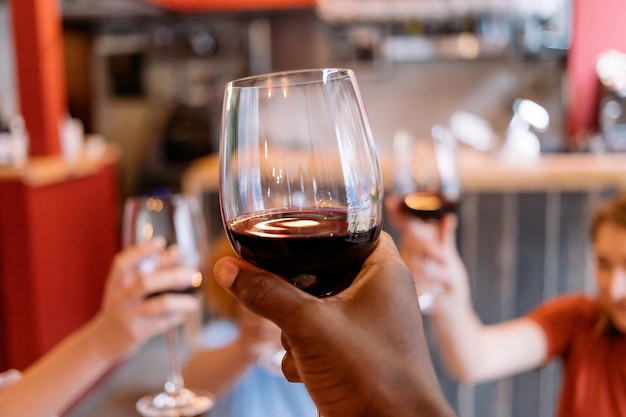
{"x": 300, "y": 183}
{"x": 179, "y": 220}
{"x": 426, "y": 180}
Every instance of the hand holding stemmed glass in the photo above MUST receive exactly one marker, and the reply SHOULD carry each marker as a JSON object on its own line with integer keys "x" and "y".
{"x": 426, "y": 186}
{"x": 178, "y": 219}
{"x": 300, "y": 184}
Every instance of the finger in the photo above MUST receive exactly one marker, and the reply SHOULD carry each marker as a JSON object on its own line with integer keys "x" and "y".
{"x": 160, "y": 324}
{"x": 398, "y": 217}
{"x": 288, "y": 366}
{"x": 9, "y": 377}
{"x": 449, "y": 223}
{"x": 260, "y": 291}
{"x": 421, "y": 229}
{"x": 171, "y": 279}
{"x": 168, "y": 304}
{"x": 417, "y": 251}
{"x": 170, "y": 257}
{"x": 130, "y": 258}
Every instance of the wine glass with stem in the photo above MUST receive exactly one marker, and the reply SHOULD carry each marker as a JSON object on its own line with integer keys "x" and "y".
{"x": 300, "y": 184}
{"x": 426, "y": 180}
{"x": 179, "y": 220}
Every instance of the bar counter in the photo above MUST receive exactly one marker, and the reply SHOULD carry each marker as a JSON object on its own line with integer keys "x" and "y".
{"x": 48, "y": 170}
{"x": 480, "y": 172}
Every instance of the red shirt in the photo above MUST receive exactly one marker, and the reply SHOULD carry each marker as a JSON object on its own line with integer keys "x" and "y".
{"x": 594, "y": 358}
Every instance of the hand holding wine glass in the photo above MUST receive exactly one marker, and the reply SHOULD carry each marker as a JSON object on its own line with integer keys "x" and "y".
{"x": 300, "y": 185}
{"x": 427, "y": 186}
{"x": 360, "y": 353}
{"x": 178, "y": 220}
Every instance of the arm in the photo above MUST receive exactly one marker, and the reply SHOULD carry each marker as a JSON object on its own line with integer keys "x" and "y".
{"x": 126, "y": 320}
{"x": 471, "y": 351}
{"x": 217, "y": 369}
{"x": 361, "y": 352}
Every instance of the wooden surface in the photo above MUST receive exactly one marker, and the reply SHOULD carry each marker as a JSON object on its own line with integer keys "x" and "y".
{"x": 484, "y": 173}
{"x": 230, "y": 5}
{"x": 47, "y": 170}
{"x": 556, "y": 172}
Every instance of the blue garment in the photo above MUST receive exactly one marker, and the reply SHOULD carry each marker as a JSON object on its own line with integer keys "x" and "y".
{"x": 258, "y": 392}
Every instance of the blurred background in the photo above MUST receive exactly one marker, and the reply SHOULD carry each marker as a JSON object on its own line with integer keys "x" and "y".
{"x": 150, "y": 79}
{"x": 137, "y": 86}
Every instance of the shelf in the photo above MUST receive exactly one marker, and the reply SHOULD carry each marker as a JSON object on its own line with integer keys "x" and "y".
{"x": 230, "y": 5}
{"x": 47, "y": 170}
{"x": 483, "y": 173}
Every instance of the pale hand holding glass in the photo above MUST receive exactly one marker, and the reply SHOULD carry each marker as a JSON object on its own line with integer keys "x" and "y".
{"x": 427, "y": 183}
{"x": 178, "y": 219}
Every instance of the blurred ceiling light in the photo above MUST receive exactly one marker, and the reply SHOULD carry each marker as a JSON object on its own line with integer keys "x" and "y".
{"x": 469, "y": 45}
{"x": 472, "y": 130}
{"x": 534, "y": 114}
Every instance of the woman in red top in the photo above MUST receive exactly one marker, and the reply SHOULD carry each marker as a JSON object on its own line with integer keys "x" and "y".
{"x": 588, "y": 334}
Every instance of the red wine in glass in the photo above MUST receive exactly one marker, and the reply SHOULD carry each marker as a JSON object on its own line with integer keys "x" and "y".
{"x": 312, "y": 249}
{"x": 300, "y": 184}
{"x": 426, "y": 178}
{"x": 175, "y": 218}
{"x": 429, "y": 205}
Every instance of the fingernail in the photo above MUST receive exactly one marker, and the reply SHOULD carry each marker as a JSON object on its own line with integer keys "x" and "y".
{"x": 196, "y": 280}
{"x": 225, "y": 273}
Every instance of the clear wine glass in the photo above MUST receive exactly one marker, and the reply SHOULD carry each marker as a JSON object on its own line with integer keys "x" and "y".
{"x": 300, "y": 183}
{"x": 426, "y": 180}
{"x": 179, "y": 220}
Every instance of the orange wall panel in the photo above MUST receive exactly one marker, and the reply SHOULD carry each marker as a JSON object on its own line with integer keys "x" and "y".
{"x": 56, "y": 246}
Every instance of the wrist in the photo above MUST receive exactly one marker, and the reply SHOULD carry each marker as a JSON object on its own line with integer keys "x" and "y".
{"x": 247, "y": 351}
{"x": 450, "y": 306}
{"x": 425, "y": 401}
{"x": 106, "y": 341}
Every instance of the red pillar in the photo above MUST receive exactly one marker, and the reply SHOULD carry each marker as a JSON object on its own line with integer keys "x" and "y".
{"x": 37, "y": 33}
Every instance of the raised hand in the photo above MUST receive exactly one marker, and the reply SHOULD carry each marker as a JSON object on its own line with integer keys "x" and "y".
{"x": 361, "y": 352}
{"x": 429, "y": 250}
{"x": 129, "y": 315}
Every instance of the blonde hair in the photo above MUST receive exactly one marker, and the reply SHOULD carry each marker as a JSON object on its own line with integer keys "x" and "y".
{"x": 612, "y": 211}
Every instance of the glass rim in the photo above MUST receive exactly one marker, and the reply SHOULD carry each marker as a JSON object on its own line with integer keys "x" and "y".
{"x": 309, "y": 76}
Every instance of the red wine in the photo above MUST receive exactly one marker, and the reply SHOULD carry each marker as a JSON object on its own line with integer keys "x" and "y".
{"x": 312, "y": 249}
{"x": 188, "y": 291}
{"x": 429, "y": 205}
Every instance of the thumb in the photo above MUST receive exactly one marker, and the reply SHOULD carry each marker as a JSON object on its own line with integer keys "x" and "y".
{"x": 447, "y": 229}
{"x": 262, "y": 292}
